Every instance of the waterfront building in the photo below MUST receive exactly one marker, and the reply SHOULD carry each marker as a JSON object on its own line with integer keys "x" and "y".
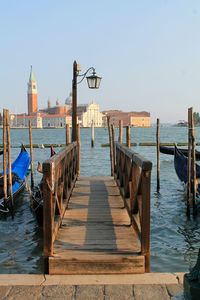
{"x": 92, "y": 115}
{"x": 136, "y": 119}
{"x": 56, "y": 120}
{"x": 22, "y": 120}
{"x": 32, "y": 94}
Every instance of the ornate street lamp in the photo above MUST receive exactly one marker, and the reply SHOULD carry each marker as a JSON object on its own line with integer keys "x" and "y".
{"x": 93, "y": 83}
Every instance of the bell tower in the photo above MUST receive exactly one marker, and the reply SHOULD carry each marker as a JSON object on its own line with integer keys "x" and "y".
{"x": 32, "y": 94}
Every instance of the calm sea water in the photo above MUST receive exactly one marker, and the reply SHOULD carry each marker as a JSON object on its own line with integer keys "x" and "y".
{"x": 175, "y": 239}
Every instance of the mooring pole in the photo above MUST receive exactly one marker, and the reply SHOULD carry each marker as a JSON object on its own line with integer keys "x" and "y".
{"x": 92, "y": 134}
{"x": 189, "y": 161}
{"x": 79, "y": 149}
{"x": 9, "y": 157}
{"x": 31, "y": 153}
{"x": 128, "y": 136}
{"x": 67, "y": 134}
{"x": 111, "y": 145}
{"x": 4, "y": 154}
{"x": 158, "y": 153}
{"x": 120, "y": 131}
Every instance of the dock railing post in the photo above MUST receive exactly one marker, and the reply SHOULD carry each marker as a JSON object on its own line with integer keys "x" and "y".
{"x": 145, "y": 224}
{"x": 158, "y": 153}
{"x": 48, "y": 215}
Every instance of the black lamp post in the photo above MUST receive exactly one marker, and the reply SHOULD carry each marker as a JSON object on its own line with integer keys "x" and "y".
{"x": 93, "y": 83}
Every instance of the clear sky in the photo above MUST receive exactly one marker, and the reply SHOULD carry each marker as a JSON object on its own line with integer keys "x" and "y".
{"x": 148, "y": 53}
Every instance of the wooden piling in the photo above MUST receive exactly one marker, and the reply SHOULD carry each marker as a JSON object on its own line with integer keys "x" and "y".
{"x": 189, "y": 163}
{"x": 191, "y": 184}
{"x": 111, "y": 145}
{"x": 128, "y": 136}
{"x": 9, "y": 158}
{"x": 158, "y": 153}
{"x": 31, "y": 153}
{"x": 79, "y": 150}
{"x": 92, "y": 134}
{"x": 120, "y": 131}
{"x": 194, "y": 182}
{"x": 67, "y": 134}
{"x": 4, "y": 153}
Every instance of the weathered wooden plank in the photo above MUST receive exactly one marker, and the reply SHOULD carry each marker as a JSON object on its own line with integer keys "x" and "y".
{"x": 96, "y": 236}
{"x": 105, "y": 265}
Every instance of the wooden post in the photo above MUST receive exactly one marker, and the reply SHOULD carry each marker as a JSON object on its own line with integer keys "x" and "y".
{"x": 145, "y": 222}
{"x": 31, "y": 153}
{"x": 114, "y": 150}
{"x": 4, "y": 153}
{"x": 92, "y": 134}
{"x": 193, "y": 166}
{"x": 67, "y": 134}
{"x": 79, "y": 149}
{"x": 158, "y": 153}
{"x": 9, "y": 158}
{"x": 120, "y": 131}
{"x": 128, "y": 136}
{"x": 111, "y": 146}
{"x": 191, "y": 183}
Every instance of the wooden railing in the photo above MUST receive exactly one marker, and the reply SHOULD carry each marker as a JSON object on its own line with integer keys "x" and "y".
{"x": 133, "y": 176}
{"x": 59, "y": 177}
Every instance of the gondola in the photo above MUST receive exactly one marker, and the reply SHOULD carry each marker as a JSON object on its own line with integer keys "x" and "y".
{"x": 37, "y": 196}
{"x": 180, "y": 165}
{"x": 170, "y": 151}
{"x": 19, "y": 171}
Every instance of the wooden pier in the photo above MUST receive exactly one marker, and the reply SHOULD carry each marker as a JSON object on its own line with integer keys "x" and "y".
{"x": 97, "y": 225}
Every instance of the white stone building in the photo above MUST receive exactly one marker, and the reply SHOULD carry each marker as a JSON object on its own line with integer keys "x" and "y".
{"x": 92, "y": 114}
{"x": 56, "y": 121}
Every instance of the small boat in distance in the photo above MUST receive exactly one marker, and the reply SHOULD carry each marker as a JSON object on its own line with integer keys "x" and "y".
{"x": 182, "y": 123}
{"x": 171, "y": 150}
{"x": 180, "y": 165}
{"x": 19, "y": 171}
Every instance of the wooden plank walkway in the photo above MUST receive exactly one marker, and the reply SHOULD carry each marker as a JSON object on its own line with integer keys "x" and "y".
{"x": 96, "y": 236}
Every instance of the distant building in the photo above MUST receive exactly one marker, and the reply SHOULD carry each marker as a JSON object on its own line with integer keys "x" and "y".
{"x": 23, "y": 120}
{"x": 32, "y": 94}
{"x": 137, "y": 119}
{"x": 57, "y": 109}
{"x": 56, "y": 120}
{"x": 40, "y": 120}
{"x": 92, "y": 115}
